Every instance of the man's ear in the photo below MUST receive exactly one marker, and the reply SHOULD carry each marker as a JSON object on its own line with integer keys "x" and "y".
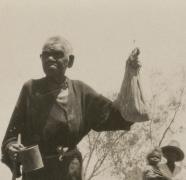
{"x": 71, "y": 61}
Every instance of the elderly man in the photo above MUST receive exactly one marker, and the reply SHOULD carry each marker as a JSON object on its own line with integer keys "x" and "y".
{"x": 55, "y": 112}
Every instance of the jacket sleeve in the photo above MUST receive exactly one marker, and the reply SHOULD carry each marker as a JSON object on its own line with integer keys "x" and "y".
{"x": 15, "y": 127}
{"x": 102, "y": 113}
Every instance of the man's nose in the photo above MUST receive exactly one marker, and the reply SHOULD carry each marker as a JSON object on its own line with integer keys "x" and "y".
{"x": 51, "y": 58}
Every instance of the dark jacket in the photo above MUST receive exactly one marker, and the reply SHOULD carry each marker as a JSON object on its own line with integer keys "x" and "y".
{"x": 85, "y": 110}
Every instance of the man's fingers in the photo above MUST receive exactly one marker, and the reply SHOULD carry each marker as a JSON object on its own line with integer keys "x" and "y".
{"x": 135, "y": 52}
{"x": 21, "y": 146}
{"x": 13, "y": 149}
{"x": 13, "y": 153}
{"x": 17, "y": 146}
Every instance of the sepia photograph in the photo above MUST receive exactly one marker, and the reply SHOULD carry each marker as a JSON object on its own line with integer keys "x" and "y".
{"x": 93, "y": 90}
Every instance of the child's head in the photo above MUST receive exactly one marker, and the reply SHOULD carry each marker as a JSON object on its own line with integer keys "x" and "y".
{"x": 154, "y": 157}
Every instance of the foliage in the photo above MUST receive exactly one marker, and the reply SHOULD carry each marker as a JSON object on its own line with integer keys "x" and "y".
{"x": 124, "y": 153}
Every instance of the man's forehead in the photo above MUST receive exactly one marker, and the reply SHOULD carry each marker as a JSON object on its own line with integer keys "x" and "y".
{"x": 57, "y": 44}
{"x": 54, "y": 47}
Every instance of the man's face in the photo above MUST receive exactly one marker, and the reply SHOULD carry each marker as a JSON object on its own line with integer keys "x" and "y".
{"x": 54, "y": 60}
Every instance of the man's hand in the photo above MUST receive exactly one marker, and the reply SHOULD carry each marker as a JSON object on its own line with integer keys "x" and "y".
{"x": 133, "y": 59}
{"x": 13, "y": 151}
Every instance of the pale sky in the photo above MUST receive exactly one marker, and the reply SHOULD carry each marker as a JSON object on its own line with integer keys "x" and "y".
{"x": 102, "y": 33}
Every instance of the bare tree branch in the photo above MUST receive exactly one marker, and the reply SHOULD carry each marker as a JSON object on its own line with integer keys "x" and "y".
{"x": 102, "y": 170}
{"x": 174, "y": 116}
{"x": 100, "y": 161}
{"x": 85, "y": 156}
{"x": 91, "y": 151}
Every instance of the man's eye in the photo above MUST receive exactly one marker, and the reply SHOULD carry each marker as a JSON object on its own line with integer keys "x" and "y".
{"x": 58, "y": 55}
{"x": 45, "y": 54}
{"x": 55, "y": 55}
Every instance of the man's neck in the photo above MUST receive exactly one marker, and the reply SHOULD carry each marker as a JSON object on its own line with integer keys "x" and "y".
{"x": 57, "y": 79}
